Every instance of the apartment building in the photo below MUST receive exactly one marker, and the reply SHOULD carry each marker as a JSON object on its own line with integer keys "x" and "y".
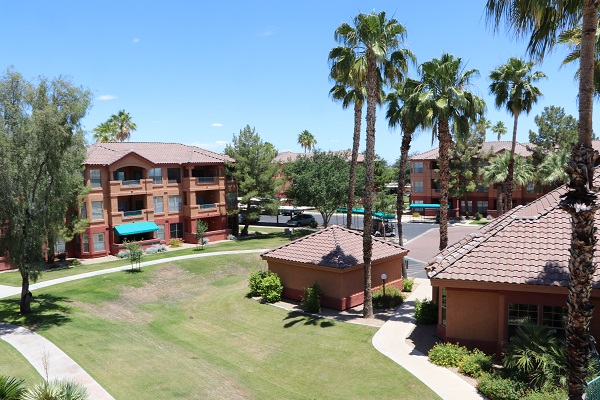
{"x": 425, "y": 187}
{"x": 151, "y": 193}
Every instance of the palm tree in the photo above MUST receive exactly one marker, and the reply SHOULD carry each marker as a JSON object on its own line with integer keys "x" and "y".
{"x": 124, "y": 125}
{"x": 306, "y": 140}
{"x": 406, "y": 114}
{"x": 499, "y": 129}
{"x": 379, "y": 40}
{"x": 542, "y": 21}
{"x": 350, "y": 74}
{"x": 512, "y": 84}
{"x": 552, "y": 170}
{"x": 497, "y": 171}
{"x": 572, "y": 38}
{"x": 105, "y": 132}
{"x": 444, "y": 96}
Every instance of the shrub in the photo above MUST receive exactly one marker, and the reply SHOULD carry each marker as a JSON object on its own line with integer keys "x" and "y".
{"x": 478, "y": 216}
{"x": 475, "y": 363}
{"x": 150, "y": 250}
{"x": 426, "y": 312}
{"x": 62, "y": 256}
{"x": 311, "y": 301}
{"x": 271, "y": 288}
{"x": 231, "y": 237}
{"x": 175, "y": 242}
{"x": 11, "y": 388}
{"x": 74, "y": 263}
{"x": 407, "y": 284}
{"x": 123, "y": 254}
{"x": 313, "y": 224}
{"x": 392, "y": 299}
{"x": 416, "y": 215}
{"x": 255, "y": 281}
{"x": 160, "y": 247}
{"x": 551, "y": 394}
{"x": 57, "y": 389}
{"x": 489, "y": 218}
{"x": 497, "y": 388}
{"x": 447, "y": 354}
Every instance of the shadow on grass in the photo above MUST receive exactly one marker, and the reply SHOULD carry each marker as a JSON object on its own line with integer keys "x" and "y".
{"x": 46, "y": 311}
{"x": 306, "y": 319}
{"x": 298, "y": 233}
{"x": 133, "y": 271}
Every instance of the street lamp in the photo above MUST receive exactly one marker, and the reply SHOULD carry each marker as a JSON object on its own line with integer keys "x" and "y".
{"x": 383, "y": 278}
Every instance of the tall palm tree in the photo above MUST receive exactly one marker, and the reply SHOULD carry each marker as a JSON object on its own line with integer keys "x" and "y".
{"x": 306, "y": 140}
{"x": 350, "y": 74}
{"x": 512, "y": 85}
{"x": 105, "y": 132}
{"x": 552, "y": 170}
{"x": 124, "y": 125}
{"x": 499, "y": 129}
{"x": 497, "y": 171}
{"x": 405, "y": 113}
{"x": 572, "y": 38}
{"x": 379, "y": 40}
{"x": 542, "y": 21}
{"x": 444, "y": 96}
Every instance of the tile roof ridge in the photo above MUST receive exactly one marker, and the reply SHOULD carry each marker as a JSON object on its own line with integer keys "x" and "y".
{"x": 300, "y": 239}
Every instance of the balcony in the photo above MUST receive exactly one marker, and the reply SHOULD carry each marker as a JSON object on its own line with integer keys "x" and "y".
{"x": 204, "y": 210}
{"x": 132, "y": 213}
{"x": 204, "y": 183}
{"x": 131, "y": 182}
{"x": 130, "y": 187}
{"x": 208, "y": 206}
{"x": 207, "y": 179}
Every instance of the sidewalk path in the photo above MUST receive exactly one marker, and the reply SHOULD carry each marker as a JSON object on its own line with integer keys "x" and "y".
{"x": 390, "y": 340}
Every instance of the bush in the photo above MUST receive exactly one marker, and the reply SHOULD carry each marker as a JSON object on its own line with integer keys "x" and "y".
{"x": 392, "y": 299}
{"x": 150, "y": 250}
{"x": 426, "y": 312}
{"x": 489, "y": 218}
{"x": 271, "y": 288}
{"x": 313, "y": 224}
{"x": 231, "y": 237}
{"x": 175, "y": 242}
{"x": 311, "y": 301}
{"x": 407, "y": 284}
{"x": 447, "y": 354}
{"x": 551, "y": 394}
{"x": 11, "y": 388}
{"x": 416, "y": 215}
{"x": 475, "y": 363}
{"x": 123, "y": 254}
{"x": 478, "y": 216}
{"x": 494, "y": 387}
{"x": 255, "y": 281}
{"x": 62, "y": 256}
{"x": 74, "y": 263}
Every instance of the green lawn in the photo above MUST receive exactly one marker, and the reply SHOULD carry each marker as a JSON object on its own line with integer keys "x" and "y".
{"x": 187, "y": 330}
{"x": 14, "y": 364}
{"x": 480, "y": 222}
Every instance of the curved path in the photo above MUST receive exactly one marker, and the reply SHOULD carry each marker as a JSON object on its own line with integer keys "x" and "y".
{"x": 46, "y": 357}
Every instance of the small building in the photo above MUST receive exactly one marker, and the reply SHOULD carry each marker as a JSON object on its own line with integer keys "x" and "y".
{"x": 512, "y": 271}
{"x": 333, "y": 258}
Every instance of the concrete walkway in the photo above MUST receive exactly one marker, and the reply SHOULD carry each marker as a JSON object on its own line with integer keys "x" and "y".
{"x": 390, "y": 340}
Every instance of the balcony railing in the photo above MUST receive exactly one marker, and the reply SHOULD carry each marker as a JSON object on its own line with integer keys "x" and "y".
{"x": 173, "y": 180}
{"x": 130, "y": 182}
{"x": 132, "y": 213}
{"x": 206, "y": 179}
{"x": 207, "y": 206}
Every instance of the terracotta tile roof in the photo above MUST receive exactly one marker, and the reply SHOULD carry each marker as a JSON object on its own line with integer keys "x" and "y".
{"x": 288, "y": 156}
{"x": 528, "y": 245}
{"x": 495, "y": 147}
{"x": 335, "y": 247}
{"x": 156, "y": 153}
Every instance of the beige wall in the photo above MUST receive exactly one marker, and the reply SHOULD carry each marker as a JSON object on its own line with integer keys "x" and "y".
{"x": 472, "y": 314}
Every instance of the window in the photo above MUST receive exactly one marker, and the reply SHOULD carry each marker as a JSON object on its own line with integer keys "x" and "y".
{"x": 417, "y": 167}
{"x": 156, "y": 176}
{"x": 174, "y": 175}
{"x": 555, "y": 317}
{"x": 174, "y": 203}
{"x": 231, "y": 199}
{"x": 97, "y": 212}
{"x": 444, "y": 306}
{"x": 418, "y": 187}
{"x": 418, "y": 202}
{"x": 521, "y": 314}
{"x": 482, "y": 206}
{"x": 59, "y": 246}
{"x": 176, "y": 230}
{"x": 119, "y": 175}
{"x": 86, "y": 243}
{"x": 530, "y": 187}
{"x": 99, "y": 242}
{"x": 160, "y": 233}
{"x": 436, "y": 185}
{"x": 158, "y": 204}
{"x": 95, "y": 178}
{"x": 83, "y": 210}
{"x": 482, "y": 187}
{"x": 466, "y": 208}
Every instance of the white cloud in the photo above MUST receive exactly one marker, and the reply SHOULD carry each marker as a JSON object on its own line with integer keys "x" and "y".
{"x": 136, "y": 40}
{"x": 217, "y": 146}
{"x": 266, "y": 32}
{"x": 217, "y": 125}
{"x": 106, "y": 97}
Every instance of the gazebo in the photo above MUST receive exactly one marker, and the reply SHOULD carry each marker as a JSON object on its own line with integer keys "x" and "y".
{"x": 333, "y": 258}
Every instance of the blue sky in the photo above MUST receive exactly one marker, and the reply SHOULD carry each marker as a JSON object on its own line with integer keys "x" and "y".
{"x": 196, "y": 72}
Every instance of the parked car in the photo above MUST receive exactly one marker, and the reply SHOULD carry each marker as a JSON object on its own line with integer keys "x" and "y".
{"x": 301, "y": 220}
{"x": 381, "y": 225}
{"x": 251, "y": 220}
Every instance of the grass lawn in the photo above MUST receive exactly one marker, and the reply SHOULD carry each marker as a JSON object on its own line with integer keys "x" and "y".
{"x": 480, "y": 222}
{"x": 14, "y": 364}
{"x": 186, "y": 330}
{"x": 271, "y": 239}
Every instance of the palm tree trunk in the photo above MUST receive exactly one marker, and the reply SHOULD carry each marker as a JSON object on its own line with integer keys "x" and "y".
{"x": 511, "y": 166}
{"x": 372, "y": 95}
{"x": 445, "y": 139}
{"x": 404, "y": 149}
{"x": 580, "y": 203}
{"x": 499, "y": 206}
{"x": 355, "y": 145}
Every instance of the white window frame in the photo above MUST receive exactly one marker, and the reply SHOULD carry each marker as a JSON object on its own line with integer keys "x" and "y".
{"x": 97, "y": 214}
{"x": 418, "y": 167}
{"x": 159, "y": 204}
{"x": 86, "y": 243}
{"x": 95, "y": 181}
{"x": 175, "y": 203}
{"x": 157, "y": 179}
{"x": 99, "y": 243}
{"x": 418, "y": 188}
{"x": 160, "y": 233}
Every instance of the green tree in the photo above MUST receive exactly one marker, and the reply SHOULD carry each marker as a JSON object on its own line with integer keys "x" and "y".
{"x": 444, "y": 95}
{"x": 135, "y": 254}
{"x": 497, "y": 171}
{"x": 556, "y": 131}
{"x": 499, "y": 129}
{"x": 123, "y": 125}
{"x": 253, "y": 170}
{"x": 320, "y": 181}
{"x": 572, "y": 38}
{"x": 201, "y": 229}
{"x": 42, "y": 151}
{"x": 513, "y": 87}
{"x": 552, "y": 170}
{"x": 542, "y": 21}
{"x": 105, "y": 132}
{"x": 306, "y": 140}
{"x": 379, "y": 40}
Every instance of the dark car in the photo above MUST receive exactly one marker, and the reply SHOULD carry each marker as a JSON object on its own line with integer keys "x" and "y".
{"x": 382, "y": 225}
{"x": 301, "y": 220}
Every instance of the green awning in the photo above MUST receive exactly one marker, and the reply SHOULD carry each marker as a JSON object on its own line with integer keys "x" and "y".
{"x": 135, "y": 227}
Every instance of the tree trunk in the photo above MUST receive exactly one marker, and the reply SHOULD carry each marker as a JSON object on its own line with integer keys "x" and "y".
{"x": 499, "y": 206}
{"x": 511, "y": 166}
{"x": 372, "y": 95}
{"x": 580, "y": 203}
{"x": 404, "y": 149}
{"x": 25, "y": 303}
{"x": 445, "y": 139}
{"x": 355, "y": 145}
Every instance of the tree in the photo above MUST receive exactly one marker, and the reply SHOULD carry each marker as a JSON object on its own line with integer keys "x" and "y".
{"x": 443, "y": 94}
{"x": 542, "y": 21}
{"x": 552, "y": 170}
{"x": 253, "y": 170}
{"x": 135, "y": 254}
{"x": 379, "y": 41}
{"x": 513, "y": 87}
{"x": 105, "y": 132}
{"x": 306, "y": 140}
{"x": 320, "y": 181}
{"x": 499, "y": 129}
{"x": 572, "y": 38}
{"x": 201, "y": 229}
{"x": 123, "y": 124}
{"x": 556, "y": 131}
{"x": 42, "y": 151}
{"x": 497, "y": 171}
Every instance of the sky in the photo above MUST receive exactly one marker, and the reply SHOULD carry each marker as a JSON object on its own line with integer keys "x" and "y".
{"x": 197, "y": 72}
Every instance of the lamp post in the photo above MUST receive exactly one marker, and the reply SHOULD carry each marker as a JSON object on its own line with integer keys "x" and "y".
{"x": 383, "y": 278}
